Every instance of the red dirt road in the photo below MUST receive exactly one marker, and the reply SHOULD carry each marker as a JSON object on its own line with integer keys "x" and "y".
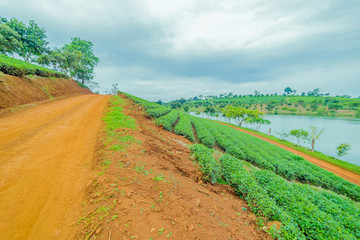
{"x": 45, "y": 162}
{"x": 350, "y": 176}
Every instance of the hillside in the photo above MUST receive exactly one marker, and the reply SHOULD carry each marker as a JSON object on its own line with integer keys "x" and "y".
{"x": 126, "y": 168}
{"x": 279, "y": 104}
{"x": 132, "y": 181}
{"x": 309, "y": 201}
{"x": 24, "y": 83}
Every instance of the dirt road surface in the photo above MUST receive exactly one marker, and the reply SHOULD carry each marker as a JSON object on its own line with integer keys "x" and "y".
{"x": 45, "y": 160}
{"x": 350, "y": 176}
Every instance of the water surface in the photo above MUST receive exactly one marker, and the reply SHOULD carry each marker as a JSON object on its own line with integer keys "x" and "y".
{"x": 337, "y": 130}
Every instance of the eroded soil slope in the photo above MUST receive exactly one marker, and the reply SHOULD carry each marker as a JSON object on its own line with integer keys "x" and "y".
{"x": 22, "y": 90}
{"x": 46, "y": 154}
{"x": 146, "y": 186}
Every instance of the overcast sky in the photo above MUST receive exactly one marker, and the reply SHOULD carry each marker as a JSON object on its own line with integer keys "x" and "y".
{"x": 161, "y": 49}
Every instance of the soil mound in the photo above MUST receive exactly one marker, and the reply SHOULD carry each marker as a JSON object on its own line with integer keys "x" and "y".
{"x": 22, "y": 90}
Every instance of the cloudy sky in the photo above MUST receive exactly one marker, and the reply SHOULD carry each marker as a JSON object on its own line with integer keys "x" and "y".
{"x": 160, "y": 49}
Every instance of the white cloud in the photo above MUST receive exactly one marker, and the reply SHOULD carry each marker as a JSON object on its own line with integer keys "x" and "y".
{"x": 166, "y": 50}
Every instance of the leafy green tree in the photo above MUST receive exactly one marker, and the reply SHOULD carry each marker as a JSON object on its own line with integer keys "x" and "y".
{"x": 32, "y": 38}
{"x": 283, "y": 135}
{"x": 9, "y": 40}
{"x": 258, "y": 121}
{"x": 314, "y": 106}
{"x": 314, "y": 135}
{"x": 61, "y": 59}
{"x": 342, "y": 149}
{"x": 299, "y": 134}
{"x": 186, "y": 108}
{"x": 288, "y": 90}
{"x": 271, "y": 105}
{"x": 83, "y": 67}
{"x": 240, "y": 114}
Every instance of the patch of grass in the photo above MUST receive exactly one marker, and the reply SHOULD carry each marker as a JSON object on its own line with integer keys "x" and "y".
{"x": 115, "y": 118}
{"x": 161, "y": 231}
{"x": 46, "y": 90}
{"x": 81, "y": 85}
{"x": 159, "y": 178}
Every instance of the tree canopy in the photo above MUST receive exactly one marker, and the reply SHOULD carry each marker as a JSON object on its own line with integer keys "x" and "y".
{"x": 31, "y": 36}
{"x": 76, "y": 58}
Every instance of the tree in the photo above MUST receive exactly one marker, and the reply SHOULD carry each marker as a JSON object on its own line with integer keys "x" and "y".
{"x": 83, "y": 68}
{"x": 32, "y": 38}
{"x": 299, "y": 134}
{"x": 114, "y": 89}
{"x": 283, "y": 135}
{"x": 342, "y": 149}
{"x": 186, "y": 108}
{"x": 314, "y": 106}
{"x": 210, "y": 111}
{"x": 258, "y": 121}
{"x": 240, "y": 114}
{"x": 61, "y": 59}
{"x": 314, "y": 135}
{"x": 9, "y": 40}
{"x": 92, "y": 85}
{"x": 288, "y": 90}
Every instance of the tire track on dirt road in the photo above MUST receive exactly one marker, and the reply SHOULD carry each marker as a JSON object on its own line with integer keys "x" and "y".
{"x": 45, "y": 162}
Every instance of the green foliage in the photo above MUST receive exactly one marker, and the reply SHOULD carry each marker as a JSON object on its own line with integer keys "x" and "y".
{"x": 32, "y": 38}
{"x": 342, "y": 164}
{"x": 314, "y": 135}
{"x": 9, "y": 40}
{"x": 144, "y": 103}
{"x": 342, "y": 149}
{"x": 83, "y": 67}
{"x": 268, "y": 156}
{"x": 76, "y": 59}
{"x": 203, "y": 133}
{"x": 258, "y": 121}
{"x": 115, "y": 118}
{"x": 82, "y": 85}
{"x": 20, "y": 68}
{"x": 241, "y": 114}
{"x": 184, "y": 127}
{"x": 305, "y": 212}
{"x": 157, "y": 112}
{"x": 299, "y": 134}
{"x": 209, "y": 166}
{"x": 168, "y": 120}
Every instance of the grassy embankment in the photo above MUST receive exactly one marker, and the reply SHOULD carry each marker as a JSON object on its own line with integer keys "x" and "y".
{"x": 15, "y": 67}
{"x": 337, "y": 162}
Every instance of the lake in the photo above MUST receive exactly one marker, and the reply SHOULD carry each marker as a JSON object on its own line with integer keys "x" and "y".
{"x": 337, "y": 130}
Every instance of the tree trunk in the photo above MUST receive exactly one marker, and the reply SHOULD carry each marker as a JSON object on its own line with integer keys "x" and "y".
{"x": 83, "y": 81}
{"x": 312, "y": 145}
{"x": 241, "y": 123}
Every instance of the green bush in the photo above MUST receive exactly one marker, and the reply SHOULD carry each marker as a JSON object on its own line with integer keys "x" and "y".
{"x": 20, "y": 68}
{"x": 184, "y": 127}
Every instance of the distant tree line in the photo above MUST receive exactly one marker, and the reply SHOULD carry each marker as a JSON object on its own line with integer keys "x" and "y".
{"x": 29, "y": 41}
